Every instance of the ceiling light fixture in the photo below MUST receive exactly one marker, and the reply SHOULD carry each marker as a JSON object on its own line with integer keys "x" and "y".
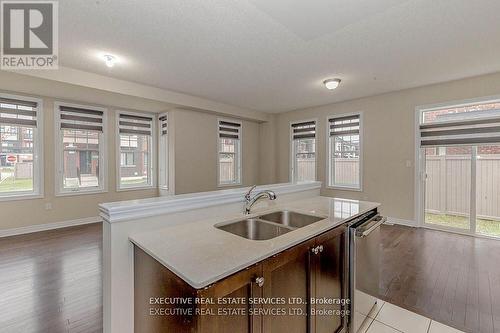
{"x": 109, "y": 60}
{"x": 331, "y": 84}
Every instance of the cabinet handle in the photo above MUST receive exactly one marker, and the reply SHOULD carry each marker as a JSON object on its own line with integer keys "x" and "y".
{"x": 315, "y": 250}
{"x": 321, "y": 248}
{"x": 259, "y": 281}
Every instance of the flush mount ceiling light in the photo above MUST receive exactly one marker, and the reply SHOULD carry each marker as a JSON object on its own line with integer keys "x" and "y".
{"x": 331, "y": 84}
{"x": 109, "y": 60}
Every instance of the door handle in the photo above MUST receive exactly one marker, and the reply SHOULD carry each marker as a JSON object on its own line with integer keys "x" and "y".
{"x": 375, "y": 226}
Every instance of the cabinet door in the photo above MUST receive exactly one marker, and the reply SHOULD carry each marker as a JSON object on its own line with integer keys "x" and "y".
{"x": 230, "y": 318}
{"x": 330, "y": 280}
{"x": 287, "y": 281}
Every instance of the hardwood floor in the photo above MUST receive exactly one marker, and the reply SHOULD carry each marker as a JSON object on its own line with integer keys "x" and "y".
{"x": 51, "y": 281}
{"x": 450, "y": 278}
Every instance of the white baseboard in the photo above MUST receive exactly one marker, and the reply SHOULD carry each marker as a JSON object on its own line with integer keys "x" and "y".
{"x": 395, "y": 220}
{"x": 48, "y": 226}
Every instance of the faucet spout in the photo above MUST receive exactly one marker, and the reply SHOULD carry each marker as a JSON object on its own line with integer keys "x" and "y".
{"x": 250, "y": 201}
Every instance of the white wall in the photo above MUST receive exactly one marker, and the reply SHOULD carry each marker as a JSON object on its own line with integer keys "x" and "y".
{"x": 389, "y": 121}
{"x": 23, "y": 213}
{"x": 389, "y": 139}
{"x": 196, "y": 152}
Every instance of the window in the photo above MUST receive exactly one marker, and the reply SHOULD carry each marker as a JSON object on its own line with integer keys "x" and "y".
{"x": 303, "y": 164}
{"x": 135, "y": 132}
{"x": 163, "y": 151}
{"x": 20, "y": 142}
{"x": 80, "y": 149}
{"x": 229, "y": 147}
{"x": 344, "y": 151}
{"x": 127, "y": 159}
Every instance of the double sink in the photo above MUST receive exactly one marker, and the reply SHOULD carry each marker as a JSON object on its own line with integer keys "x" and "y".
{"x": 270, "y": 225}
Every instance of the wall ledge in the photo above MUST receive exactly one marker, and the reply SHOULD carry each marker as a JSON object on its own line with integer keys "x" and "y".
{"x": 134, "y": 209}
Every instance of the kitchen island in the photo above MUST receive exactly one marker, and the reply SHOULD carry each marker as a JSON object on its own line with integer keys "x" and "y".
{"x": 196, "y": 277}
{"x": 191, "y": 217}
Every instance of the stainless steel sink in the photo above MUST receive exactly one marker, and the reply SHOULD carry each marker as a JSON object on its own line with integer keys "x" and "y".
{"x": 291, "y": 219}
{"x": 254, "y": 229}
{"x": 269, "y": 225}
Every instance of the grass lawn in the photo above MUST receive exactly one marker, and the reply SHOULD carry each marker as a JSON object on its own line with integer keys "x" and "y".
{"x": 134, "y": 181}
{"x": 11, "y": 184}
{"x": 486, "y": 227}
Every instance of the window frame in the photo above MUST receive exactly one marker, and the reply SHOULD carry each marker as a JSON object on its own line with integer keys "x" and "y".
{"x": 151, "y": 154}
{"x": 238, "y": 154}
{"x": 38, "y": 155}
{"x": 292, "y": 162}
{"x": 58, "y": 150}
{"x": 164, "y": 150}
{"x": 329, "y": 165}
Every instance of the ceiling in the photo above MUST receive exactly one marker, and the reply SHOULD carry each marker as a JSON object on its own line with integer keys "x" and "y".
{"x": 272, "y": 56}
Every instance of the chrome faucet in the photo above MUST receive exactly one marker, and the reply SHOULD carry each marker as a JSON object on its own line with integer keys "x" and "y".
{"x": 250, "y": 201}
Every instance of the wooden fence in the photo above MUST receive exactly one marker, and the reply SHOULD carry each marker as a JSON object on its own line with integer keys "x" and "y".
{"x": 346, "y": 170}
{"x": 306, "y": 169}
{"x": 448, "y": 185}
{"x": 226, "y": 172}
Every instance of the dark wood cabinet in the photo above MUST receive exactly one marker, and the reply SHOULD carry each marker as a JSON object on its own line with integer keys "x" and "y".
{"x": 330, "y": 278}
{"x": 314, "y": 269}
{"x": 222, "y": 317}
{"x": 287, "y": 281}
{"x": 154, "y": 282}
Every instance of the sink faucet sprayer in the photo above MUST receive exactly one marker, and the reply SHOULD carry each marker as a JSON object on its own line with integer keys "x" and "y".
{"x": 250, "y": 201}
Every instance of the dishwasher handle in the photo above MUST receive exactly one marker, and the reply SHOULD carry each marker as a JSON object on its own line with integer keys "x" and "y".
{"x": 378, "y": 220}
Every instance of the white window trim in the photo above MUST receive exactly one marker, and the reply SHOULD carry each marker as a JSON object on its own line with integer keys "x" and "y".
{"x": 38, "y": 158}
{"x": 291, "y": 172}
{"x": 103, "y": 153}
{"x": 361, "y": 153}
{"x": 238, "y": 159}
{"x": 151, "y": 156}
{"x": 161, "y": 150}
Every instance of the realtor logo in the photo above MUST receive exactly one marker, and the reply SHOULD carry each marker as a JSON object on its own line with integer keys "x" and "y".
{"x": 29, "y": 35}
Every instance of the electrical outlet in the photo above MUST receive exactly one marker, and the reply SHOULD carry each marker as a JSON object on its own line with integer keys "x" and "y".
{"x": 408, "y": 163}
{"x": 48, "y": 206}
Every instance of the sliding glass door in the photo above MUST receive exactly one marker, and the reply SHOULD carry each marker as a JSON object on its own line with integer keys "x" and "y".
{"x": 462, "y": 188}
{"x": 488, "y": 190}
{"x": 460, "y": 167}
{"x": 448, "y": 187}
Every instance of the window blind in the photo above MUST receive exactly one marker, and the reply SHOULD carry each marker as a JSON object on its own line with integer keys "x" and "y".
{"x": 163, "y": 125}
{"x": 17, "y": 112}
{"x": 133, "y": 124}
{"x": 305, "y": 130}
{"x": 345, "y": 125}
{"x": 80, "y": 118}
{"x": 229, "y": 130}
{"x": 465, "y": 132}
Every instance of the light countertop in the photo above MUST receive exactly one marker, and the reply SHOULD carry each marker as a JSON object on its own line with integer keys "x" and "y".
{"x": 201, "y": 254}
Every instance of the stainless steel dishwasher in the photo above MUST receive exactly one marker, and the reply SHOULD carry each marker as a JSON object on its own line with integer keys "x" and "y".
{"x": 364, "y": 265}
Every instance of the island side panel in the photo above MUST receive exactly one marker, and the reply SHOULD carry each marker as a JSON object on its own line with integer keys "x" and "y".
{"x": 152, "y": 283}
